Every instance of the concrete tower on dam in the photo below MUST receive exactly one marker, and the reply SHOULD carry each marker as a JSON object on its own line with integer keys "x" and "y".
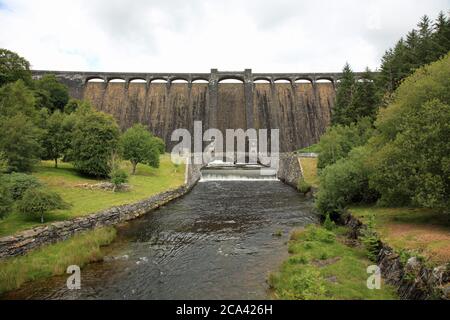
{"x": 299, "y": 105}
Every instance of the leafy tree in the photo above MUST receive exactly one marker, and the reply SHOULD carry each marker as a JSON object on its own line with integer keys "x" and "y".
{"x": 17, "y": 98}
{"x": 19, "y": 183}
{"x": 51, "y": 94}
{"x": 344, "y": 97}
{"x": 95, "y": 138}
{"x": 73, "y": 105}
{"x": 39, "y": 202}
{"x": 20, "y": 142}
{"x": 414, "y": 168}
{"x": 57, "y": 137}
{"x": 139, "y": 146}
{"x": 13, "y": 67}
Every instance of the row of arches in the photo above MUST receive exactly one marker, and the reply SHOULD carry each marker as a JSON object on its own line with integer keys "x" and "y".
{"x": 258, "y": 81}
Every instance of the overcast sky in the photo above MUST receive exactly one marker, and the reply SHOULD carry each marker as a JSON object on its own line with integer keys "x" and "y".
{"x": 197, "y": 35}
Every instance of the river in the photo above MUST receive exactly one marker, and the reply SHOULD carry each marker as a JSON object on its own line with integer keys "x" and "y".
{"x": 220, "y": 241}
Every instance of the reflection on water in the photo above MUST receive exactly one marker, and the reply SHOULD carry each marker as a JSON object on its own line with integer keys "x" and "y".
{"x": 215, "y": 243}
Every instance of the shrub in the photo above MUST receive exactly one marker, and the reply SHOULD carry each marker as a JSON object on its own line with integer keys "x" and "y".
{"x": 339, "y": 140}
{"x": 345, "y": 182}
{"x": 38, "y": 202}
{"x": 303, "y": 186}
{"x": 118, "y": 178}
{"x": 18, "y": 183}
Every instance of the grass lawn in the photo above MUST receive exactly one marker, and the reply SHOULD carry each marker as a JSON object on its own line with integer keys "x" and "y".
{"x": 54, "y": 259}
{"x": 421, "y": 231}
{"x": 64, "y": 180}
{"x": 309, "y": 166}
{"x": 322, "y": 267}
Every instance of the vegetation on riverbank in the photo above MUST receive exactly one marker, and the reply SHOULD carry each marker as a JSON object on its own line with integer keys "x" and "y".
{"x": 323, "y": 267}
{"x": 69, "y": 185}
{"x": 411, "y": 231}
{"x": 54, "y": 259}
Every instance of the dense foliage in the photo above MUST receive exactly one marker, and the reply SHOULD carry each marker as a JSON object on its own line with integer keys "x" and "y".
{"x": 406, "y": 161}
{"x": 13, "y": 67}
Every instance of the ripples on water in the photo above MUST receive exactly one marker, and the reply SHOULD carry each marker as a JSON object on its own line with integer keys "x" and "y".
{"x": 215, "y": 243}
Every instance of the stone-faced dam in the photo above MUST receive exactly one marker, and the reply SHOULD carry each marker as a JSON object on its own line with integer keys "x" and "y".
{"x": 297, "y": 104}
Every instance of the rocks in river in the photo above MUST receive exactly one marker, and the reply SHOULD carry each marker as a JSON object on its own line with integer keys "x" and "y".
{"x": 118, "y": 258}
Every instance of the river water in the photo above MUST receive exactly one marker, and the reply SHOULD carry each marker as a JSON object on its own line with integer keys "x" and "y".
{"x": 218, "y": 242}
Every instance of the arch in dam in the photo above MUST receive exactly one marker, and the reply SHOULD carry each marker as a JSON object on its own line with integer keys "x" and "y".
{"x": 300, "y": 113}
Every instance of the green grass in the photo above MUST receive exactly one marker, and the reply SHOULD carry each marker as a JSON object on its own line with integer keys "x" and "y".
{"x": 423, "y": 232}
{"x": 147, "y": 181}
{"x": 321, "y": 267}
{"x": 54, "y": 259}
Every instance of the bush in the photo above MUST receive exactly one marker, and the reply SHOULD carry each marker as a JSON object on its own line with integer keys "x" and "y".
{"x": 6, "y": 202}
{"x": 160, "y": 145}
{"x": 118, "y": 178}
{"x": 303, "y": 186}
{"x": 339, "y": 140}
{"x": 18, "y": 183}
{"x": 345, "y": 182}
{"x": 38, "y": 202}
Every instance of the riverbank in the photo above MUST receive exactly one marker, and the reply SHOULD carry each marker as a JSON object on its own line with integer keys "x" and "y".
{"x": 54, "y": 259}
{"x": 324, "y": 266}
{"x": 417, "y": 233}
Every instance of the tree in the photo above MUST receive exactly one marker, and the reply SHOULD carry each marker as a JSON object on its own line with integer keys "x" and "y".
{"x": 13, "y": 67}
{"x": 139, "y": 146}
{"x": 366, "y": 98}
{"x": 339, "y": 140}
{"x": 20, "y": 142}
{"x": 57, "y": 137}
{"x": 17, "y": 98}
{"x": 39, "y": 202}
{"x": 441, "y": 37}
{"x": 410, "y": 150}
{"x": 344, "y": 97}
{"x": 95, "y": 138}
{"x": 51, "y": 94}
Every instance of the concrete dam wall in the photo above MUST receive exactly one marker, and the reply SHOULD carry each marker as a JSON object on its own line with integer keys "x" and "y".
{"x": 300, "y": 107}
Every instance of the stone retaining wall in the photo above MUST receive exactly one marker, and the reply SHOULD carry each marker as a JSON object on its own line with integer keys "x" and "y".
{"x": 413, "y": 280}
{"x": 290, "y": 170}
{"x": 25, "y": 241}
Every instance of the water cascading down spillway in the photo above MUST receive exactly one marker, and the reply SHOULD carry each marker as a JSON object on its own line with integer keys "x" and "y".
{"x": 224, "y": 171}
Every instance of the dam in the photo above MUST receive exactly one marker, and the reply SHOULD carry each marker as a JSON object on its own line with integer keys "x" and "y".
{"x": 298, "y": 104}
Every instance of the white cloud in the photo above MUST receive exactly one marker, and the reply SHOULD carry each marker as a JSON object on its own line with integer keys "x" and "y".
{"x": 196, "y": 35}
